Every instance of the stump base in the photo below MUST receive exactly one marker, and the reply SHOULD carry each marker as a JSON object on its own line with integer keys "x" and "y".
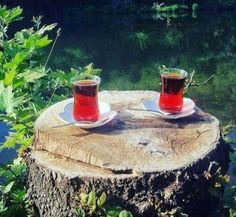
{"x": 53, "y": 182}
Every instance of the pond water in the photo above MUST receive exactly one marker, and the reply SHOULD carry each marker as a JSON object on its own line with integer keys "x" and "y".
{"x": 7, "y": 154}
{"x": 131, "y": 48}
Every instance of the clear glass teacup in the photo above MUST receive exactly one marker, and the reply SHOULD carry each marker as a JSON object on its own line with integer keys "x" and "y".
{"x": 85, "y": 91}
{"x": 172, "y": 89}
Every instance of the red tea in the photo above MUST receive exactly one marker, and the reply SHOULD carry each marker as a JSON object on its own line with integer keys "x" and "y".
{"x": 171, "y": 97}
{"x": 86, "y": 100}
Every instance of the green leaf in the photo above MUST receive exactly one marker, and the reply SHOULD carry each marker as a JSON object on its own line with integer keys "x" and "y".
{"x": 79, "y": 212}
{"x": 44, "y": 28}
{"x": 12, "y": 66}
{"x": 19, "y": 83}
{"x": 27, "y": 114}
{"x": 30, "y": 42}
{"x": 92, "y": 201}
{"x": 20, "y": 37}
{"x": 1, "y": 56}
{"x": 84, "y": 198}
{"x": 11, "y": 48}
{"x": 20, "y": 57}
{"x": 7, "y": 118}
{"x": 92, "y": 198}
{"x": 11, "y": 171}
{"x": 35, "y": 41}
{"x": 19, "y": 136}
{"x": 10, "y": 142}
{"x": 232, "y": 212}
{"x": 18, "y": 167}
{"x": 6, "y": 99}
{"x": 16, "y": 60}
{"x": 8, "y": 187}
{"x": 38, "y": 103}
{"x": 26, "y": 142}
{"x": 19, "y": 195}
{"x": 8, "y": 16}
{"x": 9, "y": 77}
{"x": 43, "y": 42}
{"x": 102, "y": 199}
{"x": 113, "y": 212}
{"x": 33, "y": 75}
{"x": 87, "y": 70}
{"x": 2, "y": 207}
{"x": 125, "y": 213}
{"x": 90, "y": 70}
{"x": 37, "y": 21}
{"x": 65, "y": 78}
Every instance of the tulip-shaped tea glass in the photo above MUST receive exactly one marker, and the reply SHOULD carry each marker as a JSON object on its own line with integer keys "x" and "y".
{"x": 85, "y": 91}
{"x": 172, "y": 89}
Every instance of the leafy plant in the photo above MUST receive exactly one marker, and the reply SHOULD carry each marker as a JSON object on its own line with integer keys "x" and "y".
{"x": 27, "y": 87}
{"x": 20, "y": 70}
{"x": 87, "y": 70}
{"x": 141, "y": 38}
{"x": 13, "y": 200}
{"x": 227, "y": 198}
{"x": 92, "y": 205}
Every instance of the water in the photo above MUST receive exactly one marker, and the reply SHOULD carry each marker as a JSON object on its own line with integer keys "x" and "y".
{"x": 131, "y": 48}
{"x": 6, "y": 155}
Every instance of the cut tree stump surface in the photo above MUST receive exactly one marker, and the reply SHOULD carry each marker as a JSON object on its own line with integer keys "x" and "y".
{"x": 134, "y": 142}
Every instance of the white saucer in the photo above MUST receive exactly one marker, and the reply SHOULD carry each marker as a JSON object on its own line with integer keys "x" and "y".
{"x": 152, "y": 106}
{"x": 106, "y": 115}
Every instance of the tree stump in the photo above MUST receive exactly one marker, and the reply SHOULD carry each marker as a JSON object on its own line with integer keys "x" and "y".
{"x": 150, "y": 166}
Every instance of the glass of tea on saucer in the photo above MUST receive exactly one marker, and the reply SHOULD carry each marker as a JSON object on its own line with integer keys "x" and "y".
{"x": 85, "y": 91}
{"x": 172, "y": 89}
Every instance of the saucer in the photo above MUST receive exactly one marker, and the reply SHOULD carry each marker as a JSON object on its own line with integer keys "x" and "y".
{"x": 152, "y": 106}
{"x": 106, "y": 115}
